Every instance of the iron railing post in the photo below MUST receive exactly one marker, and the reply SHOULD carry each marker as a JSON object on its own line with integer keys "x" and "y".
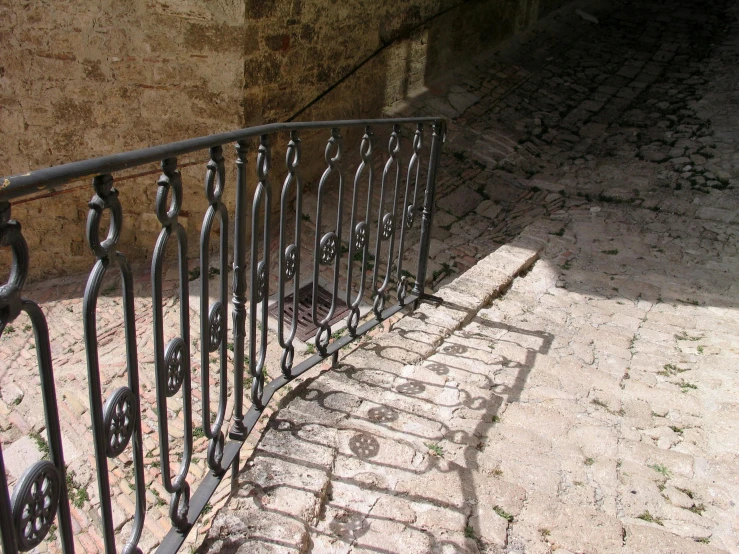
{"x": 439, "y": 132}
{"x": 238, "y": 430}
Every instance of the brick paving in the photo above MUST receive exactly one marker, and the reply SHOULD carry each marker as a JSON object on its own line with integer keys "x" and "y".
{"x": 589, "y": 410}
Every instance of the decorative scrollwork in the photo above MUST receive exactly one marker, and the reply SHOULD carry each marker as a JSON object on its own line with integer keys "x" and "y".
{"x": 388, "y": 226}
{"x": 216, "y": 326}
{"x": 323, "y": 338}
{"x": 353, "y": 320}
{"x": 410, "y": 214}
{"x": 10, "y": 292}
{"x": 118, "y": 421}
{"x": 215, "y": 450}
{"x": 379, "y": 304}
{"x": 360, "y": 235}
{"x": 335, "y": 141}
{"x": 34, "y": 503}
{"x": 328, "y": 248}
{"x": 261, "y": 281}
{"x": 215, "y": 176}
{"x": 179, "y": 505}
{"x": 105, "y": 198}
{"x": 169, "y": 180}
{"x": 403, "y": 289}
{"x": 290, "y": 259}
{"x": 174, "y": 365}
{"x": 286, "y": 362}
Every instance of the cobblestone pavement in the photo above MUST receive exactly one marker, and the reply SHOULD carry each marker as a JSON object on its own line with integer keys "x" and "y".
{"x": 588, "y": 410}
{"x": 590, "y": 407}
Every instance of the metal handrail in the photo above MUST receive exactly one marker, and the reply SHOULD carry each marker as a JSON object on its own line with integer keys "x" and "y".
{"x": 40, "y": 496}
{"x": 41, "y": 179}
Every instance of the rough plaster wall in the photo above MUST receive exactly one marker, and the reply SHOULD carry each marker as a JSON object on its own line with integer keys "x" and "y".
{"x": 83, "y": 79}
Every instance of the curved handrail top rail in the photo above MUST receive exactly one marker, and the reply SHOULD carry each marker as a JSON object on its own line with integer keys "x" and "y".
{"x": 42, "y": 179}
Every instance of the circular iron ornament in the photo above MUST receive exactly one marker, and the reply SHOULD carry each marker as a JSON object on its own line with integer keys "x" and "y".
{"x": 215, "y": 451}
{"x": 360, "y": 235}
{"x": 119, "y": 417}
{"x": 216, "y": 321}
{"x": 261, "y": 281}
{"x": 327, "y": 248}
{"x": 290, "y": 261}
{"x": 388, "y": 226}
{"x": 410, "y": 214}
{"x": 34, "y": 503}
{"x": 179, "y": 505}
{"x": 174, "y": 355}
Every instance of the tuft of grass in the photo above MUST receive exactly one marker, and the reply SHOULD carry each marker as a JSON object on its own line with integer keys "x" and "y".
{"x": 686, "y": 492}
{"x": 544, "y": 532}
{"x": 469, "y": 532}
{"x": 77, "y": 495}
{"x": 676, "y": 429}
{"x": 310, "y": 348}
{"x": 502, "y": 513}
{"x": 611, "y": 252}
{"x": 9, "y": 329}
{"x": 671, "y": 369}
{"x": 194, "y": 273}
{"x": 659, "y": 468}
{"x": 704, "y": 540}
{"x": 305, "y": 217}
{"x": 497, "y": 472}
{"x": 698, "y": 509}
{"x": 567, "y": 265}
{"x": 684, "y": 336}
{"x": 589, "y": 461}
{"x": 435, "y": 449}
{"x": 41, "y": 444}
{"x": 686, "y": 386}
{"x": 197, "y": 432}
{"x": 646, "y": 516}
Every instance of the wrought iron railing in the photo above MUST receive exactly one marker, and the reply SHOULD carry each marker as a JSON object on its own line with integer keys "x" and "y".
{"x": 40, "y": 495}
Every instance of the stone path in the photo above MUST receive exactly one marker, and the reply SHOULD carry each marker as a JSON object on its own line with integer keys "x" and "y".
{"x": 549, "y": 407}
{"x": 589, "y": 408}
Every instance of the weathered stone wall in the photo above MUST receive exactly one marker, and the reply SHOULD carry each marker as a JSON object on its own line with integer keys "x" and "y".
{"x": 82, "y": 80}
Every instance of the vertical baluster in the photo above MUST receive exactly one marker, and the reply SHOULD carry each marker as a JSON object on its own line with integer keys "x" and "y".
{"x": 41, "y": 492}
{"x": 119, "y": 420}
{"x": 360, "y": 232}
{"x": 289, "y": 263}
{"x": 172, "y": 364}
{"x": 328, "y": 247}
{"x": 238, "y": 430}
{"x": 213, "y": 321}
{"x": 437, "y": 138}
{"x": 259, "y": 283}
{"x": 409, "y": 209}
{"x": 386, "y": 222}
